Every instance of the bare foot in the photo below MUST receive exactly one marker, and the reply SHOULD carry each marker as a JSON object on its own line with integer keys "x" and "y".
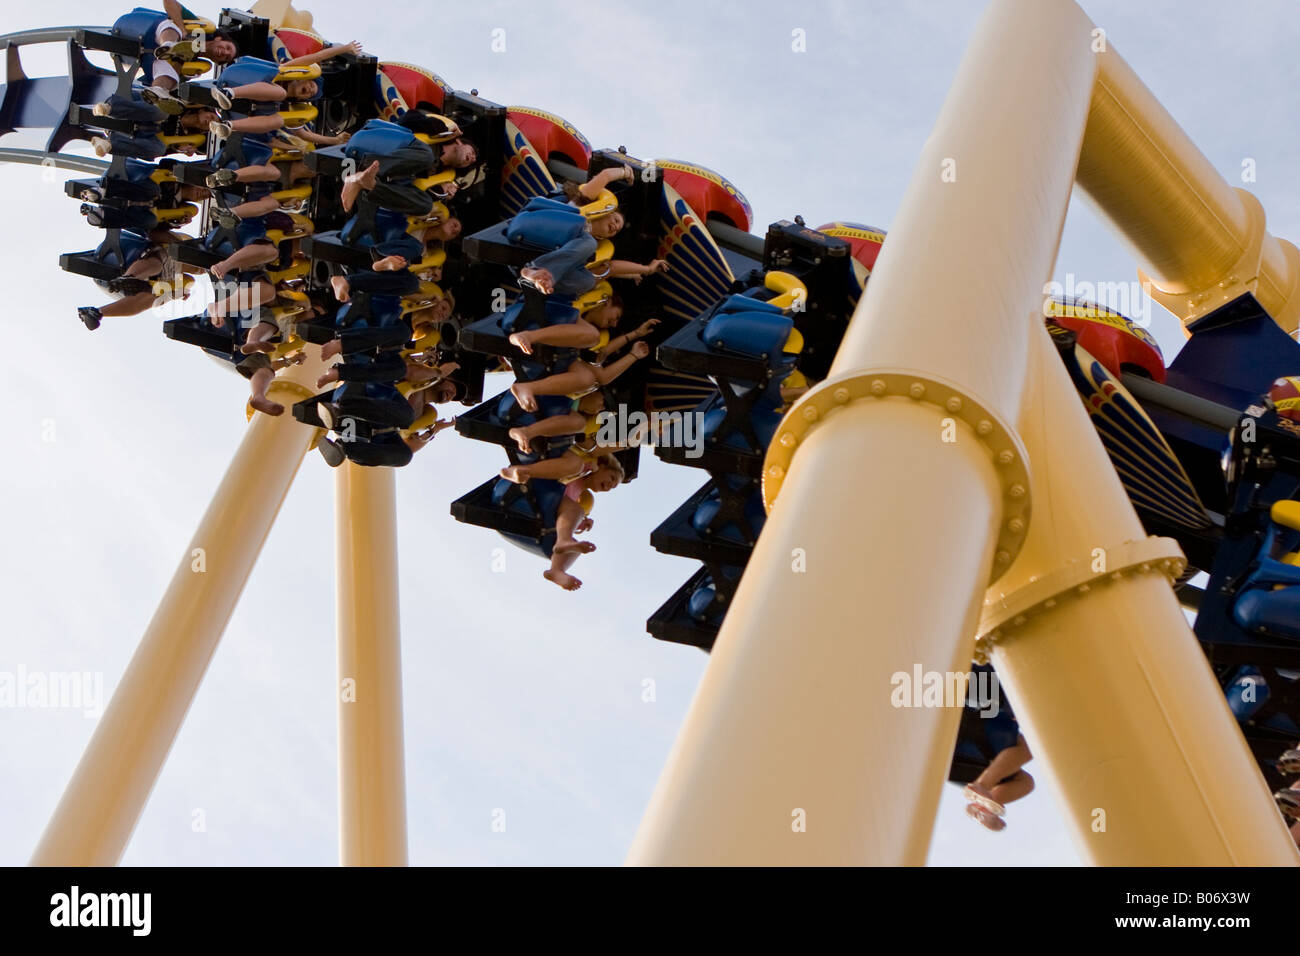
{"x": 102, "y": 146}
{"x": 354, "y": 184}
{"x": 581, "y": 547}
{"x": 341, "y": 289}
{"x": 389, "y": 264}
{"x": 978, "y": 795}
{"x": 330, "y": 375}
{"x": 540, "y": 278}
{"x": 522, "y": 439}
{"x": 990, "y": 821}
{"x": 523, "y": 394}
{"x": 248, "y": 348}
{"x": 514, "y": 473}
{"x": 266, "y": 406}
{"x": 566, "y": 581}
{"x": 331, "y": 348}
{"x": 220, "y": 269}
{"x": 523, "y": 341}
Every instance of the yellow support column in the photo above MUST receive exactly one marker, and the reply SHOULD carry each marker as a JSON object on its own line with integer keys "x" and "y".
{"x": 372, "y": 776}
{"x": 1200, "y": 241}
{"x": 902, "y": 490}
{"x": 1113, "y": 692}
{"x": 112, "y": 782}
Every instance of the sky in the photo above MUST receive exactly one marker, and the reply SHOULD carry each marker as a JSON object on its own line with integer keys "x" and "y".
{"x": 517, "y": 697}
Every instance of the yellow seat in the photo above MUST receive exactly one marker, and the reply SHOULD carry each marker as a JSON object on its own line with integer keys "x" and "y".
{"x": 424, "y": 421}
{"x": 439, "y": 213}
{"x": 429, "y": 340}
{"x": 286, "y": 155}
{"x": 1286, "y": 513}
{"x": 161, "y": 175}
{"x": 199, "y": 24}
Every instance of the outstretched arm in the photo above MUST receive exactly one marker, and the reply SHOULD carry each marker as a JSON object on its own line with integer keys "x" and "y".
{"x": 590, "y": 190}
{"x": 320, "y": 56}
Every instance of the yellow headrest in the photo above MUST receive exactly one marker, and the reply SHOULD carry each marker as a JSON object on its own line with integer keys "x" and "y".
{"x": 602, "y": 205}
{"x": 298, "y": 115}
{"x": 437, "y": 179}
{"x": 183, "y": 211}
{"x": 597, "y": 296}
{"x": 199, "y": 23}
{"x": 604, "y": 251}
{"x": 290, "y": 345}
{"x": 193, "y": 139}
{"x": 586, "y": 500}
{"x": 795, "y": 379}
{"x": 307, "y": 71}
{"x": 161, "y": 175}
{"x": 441, "y": 137}
{"x": 195, "y": 67}
{"x": 791, "y": 289}
{"x": 1286, "y": 513}
{"x": 294, "y": 192}
{"x": 429, "y": 340}
{"x": 424, "y": 421}
{"x": 296, "y": 270}
{"x": 794, "y": 343}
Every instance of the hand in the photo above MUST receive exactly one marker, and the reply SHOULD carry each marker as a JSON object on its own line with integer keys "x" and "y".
{"x": 586, "y": 524}
{"x": 449, "y": 190}
{"x": 640, "y": 349}
{"x": 440, "y": 424}
{"x": 629, "y": 174}
{"x": 446, "y": 368}
{"x": 187, "y": 148}
{"x": 645, "y": 328}
{"x": 341, "y": 138}
{"x": 354, "y": 48}
{"x": 657, "y": 265}
{"x": 218, "y": 320}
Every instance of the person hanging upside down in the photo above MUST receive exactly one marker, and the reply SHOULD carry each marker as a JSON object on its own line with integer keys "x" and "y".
{"x": 596, "y": 473}
{"x": 578, "y": 378}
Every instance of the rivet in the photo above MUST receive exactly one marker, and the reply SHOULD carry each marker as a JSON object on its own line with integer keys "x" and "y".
{"x": 841, "y": 394}
{"x": 984, "y": 427}
{"x": 1003, "y": 557}
{"x": 1020, "y": 619}
{"x": 1016, "y": 525}
{"x": 776, "y": 471}
{"x": 878, "y": 387}
{"x": 1050, "y": 603}
{"x": 917, "y": 390}
{"x": 1145, "y": 568}
{"x": 1017, "y": 491}
{"x": 810, "y": 413}
{"x": 1116, "y": 576}
{"x": 788, "y": 440}
{"x": 953, "y": 404}
{"x": 1006, "y": 457}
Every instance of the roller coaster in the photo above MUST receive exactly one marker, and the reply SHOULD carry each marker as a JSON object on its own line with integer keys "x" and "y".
{"x": 379, "y": 241}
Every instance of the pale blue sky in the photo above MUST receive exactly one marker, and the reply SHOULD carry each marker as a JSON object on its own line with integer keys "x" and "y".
{"x": 516, "y": 696}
